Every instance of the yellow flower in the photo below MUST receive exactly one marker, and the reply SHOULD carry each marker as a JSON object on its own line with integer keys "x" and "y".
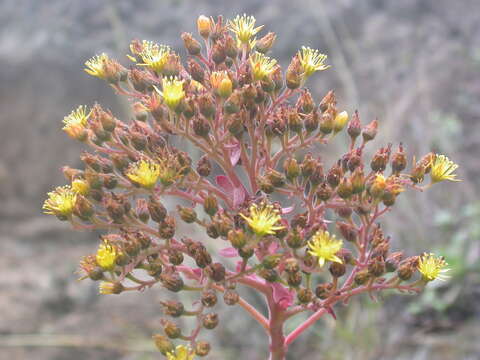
{"x": 60, "y": 202}
{"x": 172, "y": 92}
{"x": 153, "y": 55}
{"x": 96, "y": 66}
{"x": 244, "y": 29}
{"x": 75, "y": 123}
{"x": 442, "y": 169}
{"x": 262, "y": 66}
{"x": 221, "y": 83}
{"x": 262, "y": 220}
{"x": 80, "y": 186}
{"x": 432, "y": 267}
{"x": 181, "y": 352}
{"x": 107, "y": 255}
{"x": 311, "y": 61}
{"x": 145, "y": 173}
{"x": 325, "y": 247}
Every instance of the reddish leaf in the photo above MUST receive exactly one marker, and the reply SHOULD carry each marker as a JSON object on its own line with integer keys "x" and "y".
{"x": 229, "y": 252}
{"x": 282, "y": 295}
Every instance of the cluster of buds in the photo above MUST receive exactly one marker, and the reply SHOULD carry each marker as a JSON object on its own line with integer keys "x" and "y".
{"x": 302, "y": 233}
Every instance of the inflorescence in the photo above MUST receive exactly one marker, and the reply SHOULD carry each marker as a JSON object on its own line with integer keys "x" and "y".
{"x": 256, "y": 187}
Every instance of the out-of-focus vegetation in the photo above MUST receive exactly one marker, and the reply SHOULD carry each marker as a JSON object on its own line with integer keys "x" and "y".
{"x": 414, "y": 64}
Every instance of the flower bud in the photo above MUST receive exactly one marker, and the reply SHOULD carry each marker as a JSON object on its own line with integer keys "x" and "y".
{"x": 326, "y": 123}
{"x": 377, "y": 187}
{"x": 212, "y": 231}
{"x": 156, "y": 209}
{"x": 271, "y": 261}
{"x": 187, "y": 214}
{"x": 334, "y": 176}
{"x": 294, "y": 74}
{"x": 312, "y": 121}
{"x": 376, "y": 267}
{"x": 166, "y": 229}
{"x": 393, "y": 261}
{"x": 294, "y": 122}
{"x": 358, "y": 181}
{"x": 196, "y": 71}
{"x": 361, "y": 277}
{"x": 171, "y": 329}
{"x": 340, "y": 121}
{"x": 193, "y": 46}
{"x": 291, "y": 265}
{"x": 305, "y": 102}
{"x": 323, "y": 290}
{"x": 324, "y": 192}
{"x": 348, "y": 231}
{"x": 233, "y": 103}
{"x": 83, "y": 208}
{"x": 204, "y": 26}
{"x": 268, "y": 274}
{"x": 201, "y": 127}
{"x": 337, "y": 269}
{"x": 308, "y": 165}
{"x": 245, "y": 252}
{"x": 354, "y": 128}
{"x": 275, "y": 178}
{"x": 162, "y": 343}
{"x": 210, "y": 205}
{"x": 173, "y": 308}
{"x": 237, "y": 238}
{"x": 294, "y": 279}
{"x": 399, "y": 160}
{"x": 345, "y": 189}
{"x": 202, "y": 348}
{"x": 265, "y": 43}
{"x": 295, "y": 239}
{"x": 370, "y": 131}
{"x": 172, "y": 282}
{"x": 119, "y": 161}
{"x": 292, "y": 169}
{"x": 216, "y": 272}
{"x": 231, "y": 48}
{"x": 231, "y": 297}
{"x": 304, "y": 295}
{"x": 380, "y": 159}
{"x": 209, "y": 298}
{"x": 218, "y": 53}
{"x": 210, "y": 321}
{"x": 175, "y": 257}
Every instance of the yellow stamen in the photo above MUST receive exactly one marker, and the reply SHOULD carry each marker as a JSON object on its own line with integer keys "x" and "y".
{"x": 325, "y": 247}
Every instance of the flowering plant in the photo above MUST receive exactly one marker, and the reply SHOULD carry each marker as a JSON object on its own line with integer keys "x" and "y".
{"x": 257, "y": 189}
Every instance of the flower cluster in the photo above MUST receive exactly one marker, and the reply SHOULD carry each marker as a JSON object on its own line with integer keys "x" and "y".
{"x": 303, "y": 233}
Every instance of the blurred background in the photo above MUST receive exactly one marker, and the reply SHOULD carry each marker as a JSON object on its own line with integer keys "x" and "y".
{"x": 414, "y": 64}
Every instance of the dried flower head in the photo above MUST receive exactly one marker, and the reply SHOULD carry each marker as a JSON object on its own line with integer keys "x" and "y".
{"x": 442, "y": 169}
{"x": 311, "y": 61}
{"x": 325, "y": 247}
{"x": 432, "y": 267}
{"x": 263, "y": 219}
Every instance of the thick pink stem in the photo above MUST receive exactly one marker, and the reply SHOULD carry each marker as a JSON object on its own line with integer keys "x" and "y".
{"x": 278, "y": 348}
